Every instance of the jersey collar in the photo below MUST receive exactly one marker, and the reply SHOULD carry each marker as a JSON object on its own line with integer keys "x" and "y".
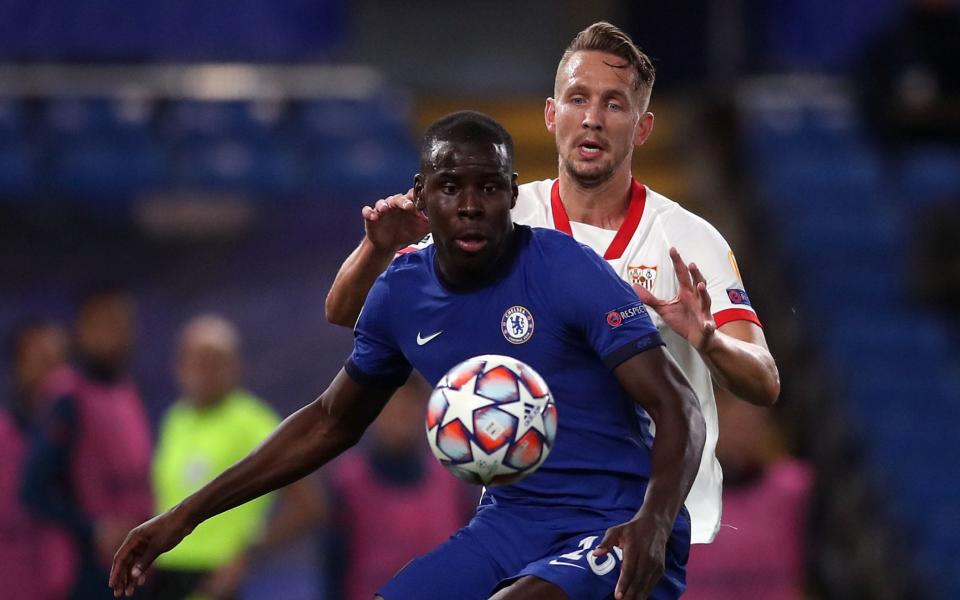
{"x": 638, "y": 199}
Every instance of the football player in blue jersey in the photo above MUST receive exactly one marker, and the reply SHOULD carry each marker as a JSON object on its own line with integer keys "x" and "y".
{"x": 602, "y": 517}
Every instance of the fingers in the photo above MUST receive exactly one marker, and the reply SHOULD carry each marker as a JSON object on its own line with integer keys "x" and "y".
{"x": 610, "y": 539}
{"x": 704, "y": 297}
{"x": 646, "y": 297}
{"x": 683, "y": 273}
{"x": 130, "y": 566}
{"x": 385, "y": 205}
{"x": 628, "y": 568}
{"x": 369, "y": 214}
{"x": 701, "y": 284}
{"x": 120, "y": 566}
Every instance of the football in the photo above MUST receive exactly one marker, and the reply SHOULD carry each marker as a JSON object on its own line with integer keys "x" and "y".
{"x": 491, "y": 420}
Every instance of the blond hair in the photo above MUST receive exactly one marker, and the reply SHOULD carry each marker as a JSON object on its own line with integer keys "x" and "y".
{"x": 610, "y": 39}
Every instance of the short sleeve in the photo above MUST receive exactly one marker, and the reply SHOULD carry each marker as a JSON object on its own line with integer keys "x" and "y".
{"x": 376, "y": 359}
{"x": 702, "y": 244}
{"x": 601, "y": 306}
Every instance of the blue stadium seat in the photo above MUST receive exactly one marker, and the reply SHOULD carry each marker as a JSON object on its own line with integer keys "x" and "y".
{"x": 185, "y": 120}
{"x": 13, "y": 120}
{"x": 18, "y": 174}
{"x": 107, "y": 169}
{"x": 365, "y": 168}
{"x": 339, "y": 119}
{"x": 840, "y": 212}
{"x": 238, "y": 166}
{"x": 931, "y": 174}
{"x": 65, "y": 118}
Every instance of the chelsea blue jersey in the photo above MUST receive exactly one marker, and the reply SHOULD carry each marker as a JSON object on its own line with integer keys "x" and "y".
{"x": 578, "y": 321}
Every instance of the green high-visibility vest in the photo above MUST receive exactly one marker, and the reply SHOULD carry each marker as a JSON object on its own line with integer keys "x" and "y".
{"x": 194, "y": 446}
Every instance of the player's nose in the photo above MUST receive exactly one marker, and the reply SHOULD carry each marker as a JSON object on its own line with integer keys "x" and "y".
{"x": 470, "y": 205}
{"x": 591, "y": 117}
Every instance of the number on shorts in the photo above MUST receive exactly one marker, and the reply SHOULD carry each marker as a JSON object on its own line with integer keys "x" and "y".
{"x": 600, "y": 566}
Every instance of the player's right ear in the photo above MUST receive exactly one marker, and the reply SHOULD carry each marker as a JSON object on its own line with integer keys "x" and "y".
{"x": 550, "y": 115}
{"x": 418, "y": 193}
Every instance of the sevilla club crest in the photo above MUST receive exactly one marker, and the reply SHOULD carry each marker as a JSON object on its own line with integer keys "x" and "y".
{"x": 643, "y": 276}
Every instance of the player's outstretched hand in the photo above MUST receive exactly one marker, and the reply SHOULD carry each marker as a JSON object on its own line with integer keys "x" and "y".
{"x": 141, "y": 547}
{"x": 643, "y": 544}
{"x": 394, "y": 222}
{"x": 687, "y": 313}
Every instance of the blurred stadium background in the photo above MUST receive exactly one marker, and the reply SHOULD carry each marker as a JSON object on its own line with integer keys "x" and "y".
{"x": 214, "y": 156}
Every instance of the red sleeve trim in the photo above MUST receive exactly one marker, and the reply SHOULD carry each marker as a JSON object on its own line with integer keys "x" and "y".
{"x": 736, "y": 314}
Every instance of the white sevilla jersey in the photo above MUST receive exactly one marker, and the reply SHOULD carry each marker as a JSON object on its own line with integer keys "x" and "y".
{"x": 639, "y": 253}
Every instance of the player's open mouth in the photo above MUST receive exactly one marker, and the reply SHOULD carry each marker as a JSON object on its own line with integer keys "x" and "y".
{"x": 589, "y": 149}
{"x": 471, "y": 242}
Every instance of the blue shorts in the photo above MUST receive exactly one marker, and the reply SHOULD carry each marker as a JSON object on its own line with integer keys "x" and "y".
{"x": 503, "y": 544}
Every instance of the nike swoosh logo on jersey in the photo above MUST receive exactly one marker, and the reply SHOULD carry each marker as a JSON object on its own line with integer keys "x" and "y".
{"x": 423, "y": 340}
{"x": 566, "y": 564}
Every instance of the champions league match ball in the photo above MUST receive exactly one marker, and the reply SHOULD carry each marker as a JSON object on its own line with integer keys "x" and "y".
{"x": 491, "y": 420}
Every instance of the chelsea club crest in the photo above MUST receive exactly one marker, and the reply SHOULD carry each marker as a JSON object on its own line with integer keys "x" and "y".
{"x": 517, "y": 324}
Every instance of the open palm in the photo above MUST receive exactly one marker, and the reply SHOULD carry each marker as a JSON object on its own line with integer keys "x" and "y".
{"x": 687, "y": 313}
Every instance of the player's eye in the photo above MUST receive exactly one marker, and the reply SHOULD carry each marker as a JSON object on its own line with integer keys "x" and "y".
{"x": 448, "y": 188}
{"x": 490, "y": 188}
{"x": 615, "y": 106}
{"x": 578, "y": 100}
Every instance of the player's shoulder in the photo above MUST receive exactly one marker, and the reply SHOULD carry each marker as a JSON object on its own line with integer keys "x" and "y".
{"x": 678, "y": 222}
{"x": 533, "y": 202}
{"x": 537, "y": 191}
{"x": 411, "y": 259}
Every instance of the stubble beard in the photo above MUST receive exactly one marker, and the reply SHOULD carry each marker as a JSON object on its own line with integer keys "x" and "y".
{"x": 592, "y": 179}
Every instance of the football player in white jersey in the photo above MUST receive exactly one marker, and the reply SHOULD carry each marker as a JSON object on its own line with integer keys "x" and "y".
{"x": 598, "y": 115}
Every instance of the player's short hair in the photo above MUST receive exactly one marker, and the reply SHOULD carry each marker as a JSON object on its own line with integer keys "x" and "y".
{"x": 465, "y": 126}
{"x": 610, "y": 39}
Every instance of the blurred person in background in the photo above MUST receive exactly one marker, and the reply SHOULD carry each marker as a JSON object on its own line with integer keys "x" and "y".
{"x": 36, "y": 558}
{"x": 88, "y": 466}
{"x": 760, "y": 550}
{"x": 598, "y": 117}
{"x": 910, "y": 78}
{"x": 391, "y": 501}
{"x": 214, "y": 424}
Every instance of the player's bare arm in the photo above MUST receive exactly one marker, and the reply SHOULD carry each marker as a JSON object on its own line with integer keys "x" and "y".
{"x": 390, "y": 225}
{"x": 305, "y": 440}
{"x": 736, "y": 353}
{"x": 656, "y": 383}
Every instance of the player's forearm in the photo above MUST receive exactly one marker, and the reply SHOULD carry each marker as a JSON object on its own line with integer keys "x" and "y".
{"x": 302, "y": 443}
{"x": 353, "y": 281}
{"x": 675, "y": 457}
{"x": 746, "y": 369}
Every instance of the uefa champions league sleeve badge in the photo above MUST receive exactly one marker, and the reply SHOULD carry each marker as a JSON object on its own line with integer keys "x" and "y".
{"x": 517, "y": 324}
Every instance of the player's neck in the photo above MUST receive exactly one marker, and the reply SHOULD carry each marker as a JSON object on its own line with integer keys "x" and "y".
{"x": 604, "y": 205}
{"x": 469, "y": 279}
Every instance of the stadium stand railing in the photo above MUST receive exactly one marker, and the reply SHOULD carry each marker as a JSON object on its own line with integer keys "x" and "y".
{"x": 114, "y": 134}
